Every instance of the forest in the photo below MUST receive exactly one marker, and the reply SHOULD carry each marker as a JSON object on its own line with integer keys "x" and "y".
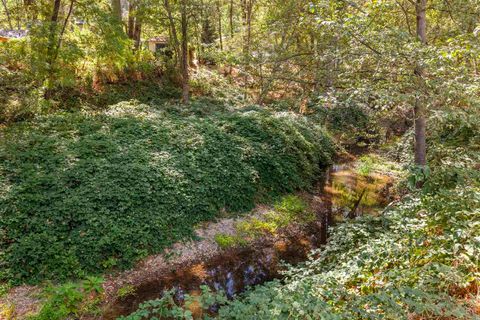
{"x": 239, "y": 159}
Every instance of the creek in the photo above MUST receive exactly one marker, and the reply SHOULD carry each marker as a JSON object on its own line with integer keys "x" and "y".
{"x": 341, "y": 193}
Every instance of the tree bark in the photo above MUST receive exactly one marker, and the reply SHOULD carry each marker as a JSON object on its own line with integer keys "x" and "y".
{"x": 64, "y": 27}
{"x": 420, "y": 101}
{"x": 131, "y": 20}
{"x": 137, "y": 33}
{"x": 173, "y": 29}
{"x": 117, "y": 9}
{"x": 181, "y": 49}
{"x": 220, "y": 35}
{"x": 51, "y": 49}
{"x": 247, "y": 22}
{"x": 53, "y": 26}
{"x": 231, "y": 19}
{"x": 185, "y": 74}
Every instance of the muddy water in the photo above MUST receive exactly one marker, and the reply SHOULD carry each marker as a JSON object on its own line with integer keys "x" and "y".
{"x": 353, "y": 194}
{"x": 341, "y": 193}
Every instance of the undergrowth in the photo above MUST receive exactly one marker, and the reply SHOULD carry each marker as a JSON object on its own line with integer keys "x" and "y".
{"x": 71, "y": 300}
{"x": 83, "y": 192}
{"x": 288, "y": 210}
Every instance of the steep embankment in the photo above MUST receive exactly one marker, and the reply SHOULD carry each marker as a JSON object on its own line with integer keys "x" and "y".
{"x": 84, "y": 192}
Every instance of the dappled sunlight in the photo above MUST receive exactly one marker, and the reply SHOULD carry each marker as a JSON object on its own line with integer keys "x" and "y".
{"x": 347, "y": 185}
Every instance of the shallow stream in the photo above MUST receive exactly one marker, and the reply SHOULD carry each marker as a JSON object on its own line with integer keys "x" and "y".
{"x": 341, "y": 194}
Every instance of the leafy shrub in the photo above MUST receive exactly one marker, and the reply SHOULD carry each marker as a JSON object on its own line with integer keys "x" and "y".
{"x": 453, "y": 151}
{"x": 366, "y": 164}
{"x": 225, "y": 241}
{"x": 125, "y": 291}
{"x": 82, "y": 192}
{"x": 419, "y": 260}
{"x": 351, "y": 122}
{"x": 289, "y": 209}
{"x": 454, "y": 154}
{"x": 169, "y": 308}
{"x": 70, "y": 299}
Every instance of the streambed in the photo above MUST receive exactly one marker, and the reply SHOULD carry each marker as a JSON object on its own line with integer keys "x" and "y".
{"x": 343, "y": 192}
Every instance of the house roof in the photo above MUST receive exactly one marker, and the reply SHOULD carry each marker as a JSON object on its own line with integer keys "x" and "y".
{"x": 15, "y": 34}
{"x": 161, "y": 39}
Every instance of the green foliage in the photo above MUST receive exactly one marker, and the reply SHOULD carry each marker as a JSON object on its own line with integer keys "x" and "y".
{"x": 4, "y": 288}
{"x": 125, "y": 291}
{"x": 288, "y": 210}
{"x": 366, "y": 164}
{"x": 291, "y": 205}
{"x": 70, "y": 299}
{"x": 84, "y": 192}
{"x": 419, "y": 259}
{"x": 350, "y": 120}
{"x": 167, "y": 308}
{"x": 454, "y": 155}
{"x": 418, "y": 176}
{"x": 18, "y": 97}
{"x": 225, "y": 241}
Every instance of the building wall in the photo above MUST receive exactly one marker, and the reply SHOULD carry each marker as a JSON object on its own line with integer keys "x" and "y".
{"x": 151, "y": 46}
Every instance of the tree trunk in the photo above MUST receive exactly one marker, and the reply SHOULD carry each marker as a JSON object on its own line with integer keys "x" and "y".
{"x": 220, "y": 35}
{"x": 181, "y": 50}
{"x": 184, "y": 64}
{"x": 247, "y": 23}
{"x": 231, "y": 18}
{"x": 51, "y": 55}
{"x": 117, "y": 9}
{"x": 53, "y": 27}
{"x": 137, "y": 33}
{"x": 7, "y": 13}
{"x": 131, "y": 20}
{"x": 420, "y": 101}
{"x": 173, "y": 29}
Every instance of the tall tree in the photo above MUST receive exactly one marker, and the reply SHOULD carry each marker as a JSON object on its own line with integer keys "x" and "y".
{"x": 184, "y": 63}
{"x": 181, "y": 48}
{"x": 220, "y": 35}
{"x": 134, "y": 25}
{"x": 137, "y": 33}
{"x": 117, "y": 9}
{"x": 131, "y": 19}
{"x": 231, "y": 18}
{"x": 420, "y": 101}
{"x": 247, "y": 6}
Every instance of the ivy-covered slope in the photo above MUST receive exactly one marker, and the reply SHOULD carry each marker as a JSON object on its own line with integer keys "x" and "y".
{"x": 82, "y": 192}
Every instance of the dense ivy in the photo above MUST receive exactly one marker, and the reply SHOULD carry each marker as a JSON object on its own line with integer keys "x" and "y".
{"x": 420, "y": 259}
{"x": 82, "y": 192}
